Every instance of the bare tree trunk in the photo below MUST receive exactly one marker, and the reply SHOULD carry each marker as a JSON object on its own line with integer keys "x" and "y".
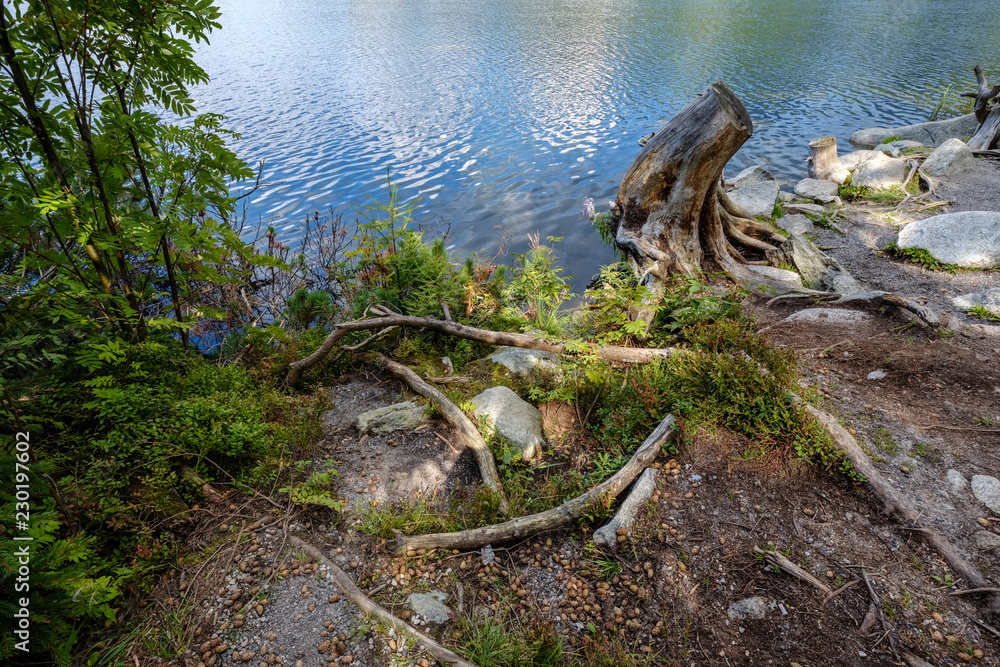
{"x": 988, "y": 134}
{"x": 824, "y": 163}
{"x": 987, "y": 111}
{"x": 668, "y": 217}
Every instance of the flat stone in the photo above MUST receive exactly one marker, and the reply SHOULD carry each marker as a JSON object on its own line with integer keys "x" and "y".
{"x": 969, "y": 239}
{"x": 774, "y": 273}
{"x": 749, "y": 608}
{"x": 404, "y": 416}
{"x": 950, "y": 158}
{"x": 802, "y": 208}
{"x": 786, "y": 197}
{"x": 988, "y": 299}
{"x": 880, "y": 172}
{"x": 986, "y": 540}
{"x": 513, "y": 418}
{"x": 757, "y": 198}
{"x": 896, "y": 148}
{"x": 796, "y": 224}
{"x": 607, "y": 535}
{"x": 931, "y": 134}
{"x": 829, "y": 316}
{"x": 524, "y": 362}
{"x": 986, "y": 489}
{"x": 751, "y": 176}
{"x": 852, "y": 160}
{"x": 430, "y": 606}
{"x": 815, "y": 189}
{"x": 956, "y": 481}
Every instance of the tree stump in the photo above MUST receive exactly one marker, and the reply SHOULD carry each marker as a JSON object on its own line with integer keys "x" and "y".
{"x": 671, "y": 215}
{"x": 987, "y": 110}
{"x": 824, "y": 163}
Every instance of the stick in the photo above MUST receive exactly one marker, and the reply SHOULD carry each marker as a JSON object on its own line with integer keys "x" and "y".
{"x": 558, "y": 517}
{"x": 457, "y": 418}
{"x": 901, "y": 506}
{"x": 779, "y": 561}
{"x": 970, "y": 591}
{"x": 840, "y": 590}
{"x": 385, "y": 318}
{"x": 355, "y": 595}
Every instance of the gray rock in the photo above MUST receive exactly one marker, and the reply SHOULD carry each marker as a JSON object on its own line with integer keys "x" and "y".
{"x": 802, "y": 208}
{"x": 796, "y": 224}
{"x": 815, "y": 189}
{"x": 607, "y": 535}
{"x": 869, "y": 138}
{"x": 986, "y": 540}
{"x": 786, "y": 196}
{"x": 751, "y": 176}
{"x": 880, "y": 172}
{"x": 878, "y": 374}
{"x": 929, "y": 134}
{"x": 749, "y": 608}
{"x": 896, "y": 148}
{"x": 818, "y": 270}
{"x": 829, "y": 316}
{"x": 513, "y": 418}
{"x": 775, "y": 273}
{"x": 429, "y": 606}
{"x": 757, "y": 198}
{"x": 956, "y": 481}
{"x": 852, "y": 160}
{"x": 951, "y": 157}
{"x": 988, "y": 299}
{"x": 524, "y": 362}
{"x": 986, "y": 489}
{"x": 969, "y": 239}
{"x": 403, "y": 416}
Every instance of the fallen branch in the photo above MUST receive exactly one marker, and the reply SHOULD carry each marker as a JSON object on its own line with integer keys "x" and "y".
{"x": 553, "y": 519}
{"x": 927, "y": 315}
{"x": 840, "y": 590}
{"x": 970, "y": 591}
{"x": 779, "y": 561}
{"x": 385, "y": 319}
{"x": 364, "y": 603}
{"x": 900, "y": 505}
{"x": 458, "y": 419}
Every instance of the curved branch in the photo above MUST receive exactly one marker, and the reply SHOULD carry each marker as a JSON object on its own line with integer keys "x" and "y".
{"x": 733, "y": 232}
{"x": 458, "y": 419}
{"x": 556, "y": 518}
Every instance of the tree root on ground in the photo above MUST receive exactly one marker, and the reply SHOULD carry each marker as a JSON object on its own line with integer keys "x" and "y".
{"x": 385, "y": 319}
{"x": 365, "y": 604}
{"x": 553, "y": 519}
{"x": 927, "y": 315}
{"x": 903, "y": 508}
{"x": 458, "y": 419}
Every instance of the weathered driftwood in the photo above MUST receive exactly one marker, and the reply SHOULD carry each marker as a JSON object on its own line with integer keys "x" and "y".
{"x": 365, "y": 604}
{"x": 988, "y": 134}
{"x": 461, "y": 423}
{"x": 903, "y": 508}
{"x": 384, "y": 319}
{"x": 824, "y": 163}
{"x": 982, "y": 96}
{"x": 668, "y": 217}
{"x": 553, "y": 519}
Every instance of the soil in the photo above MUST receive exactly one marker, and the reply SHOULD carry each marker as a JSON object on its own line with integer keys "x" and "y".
{"x": 666, "y": 594}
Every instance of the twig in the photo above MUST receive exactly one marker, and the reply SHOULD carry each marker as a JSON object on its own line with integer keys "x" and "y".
{"x": 993, "y": 631}
{"x": 448, "y": 380}
{"x": 355, "y": 348}
{"x": 840, "y": 590}
{"x": 778, "y": 560}
{"x": 447, "y": 313}
{"x": 971, "y": 591}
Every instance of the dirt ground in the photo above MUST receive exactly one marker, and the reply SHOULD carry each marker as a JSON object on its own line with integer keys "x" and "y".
{"x": 930, "y": 422}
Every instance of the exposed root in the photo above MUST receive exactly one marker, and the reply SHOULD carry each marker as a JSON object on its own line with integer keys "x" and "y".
{"x": 365, "y": 604}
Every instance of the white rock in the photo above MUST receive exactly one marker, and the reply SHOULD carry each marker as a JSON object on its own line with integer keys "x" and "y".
{"x": 751, "y": 176}
{"x": 879, "y": 173}
{"x": 796, "y": 224}
{"x": 525, "y": 362}
{"x": 774, "y": 273}
{"x": 397, "y": 417}
{"x": 956, "y": 480}
{"x": 896, "y": 148}
{"x": 802, "y": 208}
{"x": 513, "y": 418}
{"x": 986, "y": 489}
{"x": 950, "y": 158}
{"x": 829, "y": 316}
{"x": 429, "y": 606}
{"x": 756, "y": 198}
{"x": 812, "y": 188}
{"x": 986, "y": 540}
{"x": 607, "y": 535}
{"x": 933, "y": 133}
{"x": 988, "y": 299}
{"x": 869, "y": 138}
{"x": 877, "y": 374}
{"x": 969, "y": 239}
{"x": 852, "y": 160}
{"x": 755, "y": 608}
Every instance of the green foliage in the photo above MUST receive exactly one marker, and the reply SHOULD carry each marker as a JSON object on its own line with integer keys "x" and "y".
{"x": 314, "y": 490}
{"x": 983, "y": 313}
{"x": 614, "y": 297}
{"x": 499, "y": 640}
{"x": 308, "y": 306}
{"x": 921, "y": 257}
{"x": 537, "y": 288}
{"x": 891, "y": 138}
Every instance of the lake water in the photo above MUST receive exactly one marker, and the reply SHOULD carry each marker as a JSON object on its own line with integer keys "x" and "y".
{"x": 510, "y": 112}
